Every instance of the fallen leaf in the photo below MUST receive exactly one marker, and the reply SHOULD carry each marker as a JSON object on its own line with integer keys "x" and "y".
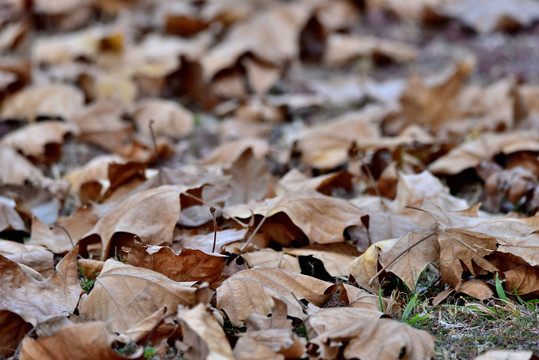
{"x": 470, "y": 154}
{"x": 54, "y": 100}
{"x": 84, "y": 341}
{"x": 251, "y": 291}
{"x": 9, "y": 217}
{"x": 40, "y": 142}
{"x": 249, "y": 179}
{"x": 507, "y": 355}
{"x": 123, "y": 295}
{"x": 342, "y": 49}
{"x": 13, "y": 330}
{"x": 359, "y": 333}
{"x": 203, "y": 334}
{"x": 188, "y": 265}
{"x": 476, "y": 288}
{"x": 37, "y": 301}
{"x": 489, "y": 16}
{"x": 170, "y": 119}
{"x": 150, "y": 215}
{"x": 331, "y": 215}
{"x": 36, "y": 257}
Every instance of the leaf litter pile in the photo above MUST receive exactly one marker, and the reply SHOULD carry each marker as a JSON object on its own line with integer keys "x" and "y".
{"x": 266, "y": 179}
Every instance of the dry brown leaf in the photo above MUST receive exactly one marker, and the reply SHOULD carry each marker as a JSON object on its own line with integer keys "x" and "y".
{"x": 170, "y": 118}
{"x": 9, "y": 217}
{"x": 251, "y": 291}
{"x": 95, "y": 171}
{"x": 433, "y": 105}
{"x": 470, "y": 154}
{"x": 270, "y": 337}
{"x": 326, "y": 145}
{"x": 271, "y": 258}
{"x": 492, "y": 15}
{"x": 359, "y": 333}
{"x": 321, "y": 218}
{"x": 249, "y": 179}
{"x": 228, "y": 153}
{"x": 189, "y": 265}
{"x": 205, "y": 242}
{"x": 384, "y": 222}
{"x": 100, "y": 124}
{"x": 365, "y": 266}
{"x": 294, "y": 180}
{"x": 53, "y": 238}
{"x": 342, "y": 49}
{"x": 203, "y": 334}
{"x": 418, "y": 11}
{"x": 18, "y": 170}
{"x": 270, "y": 35}
{"x": 123, "y": 295}
{"x": 89, "y": 268}
{"x": 37, "y": 301}
{"x": 150, "y": 215}
{"x": 336, "y": 264}
{"x": 410, "y": 254}
{"x": 55, "y": 100}
{"x": 13, "y": 329}
{"x": 154, "y": 328}
{"x": 507, "y": 355}
{"x": 476, "y": 288}
{"x": 36, "y": 257}
{"x": 40, "y": 142}
{"x": 86, "y": 341}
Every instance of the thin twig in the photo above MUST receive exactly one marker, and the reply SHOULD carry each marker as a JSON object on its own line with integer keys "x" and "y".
{"x": 212, "y": 210}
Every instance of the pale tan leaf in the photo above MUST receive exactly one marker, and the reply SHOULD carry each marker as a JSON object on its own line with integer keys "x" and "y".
{"x": 365, "y": 266}
{"x": 53, "y": 238}
{"x": 36, "y": 257}
{"x": 9, "y": 217}
{"x": 84, "y": 341}
{"x": 294, "y": 180}
{"x": 476, "y": 288}
{"x": 492, "y": 15}
{"x": 249, "y": 179}
{"x": 272, "y": 258}
{"x": 40, "y": 142}
{"x": 124, "y": 295}
{"x": 410, "y": 254}
{"x": 335, "y": 264}
{"x": 227, "y": 153}
{"x": 251, "y": 291}
{"x": 506, "y": 355}
{"x": 203, "y": 334}
{"x": 150, "y": 215}
{"x": 170, "y": 118}
{"x": 17, "y": 169}
{"x": 205, "y": 242}
{"x": 37, "y": 301}
{"x": 322, "y": 219}
{"x": 345, "y": 48}
{"x": 53, "y": 100}
{"x": 471, "y": 153}
{"x": 359, "y": 333}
